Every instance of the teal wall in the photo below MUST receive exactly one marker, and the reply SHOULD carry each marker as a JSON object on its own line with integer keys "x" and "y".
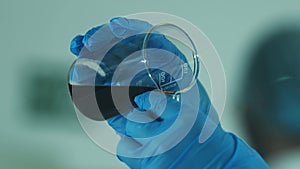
{"x": 35, "y": 37}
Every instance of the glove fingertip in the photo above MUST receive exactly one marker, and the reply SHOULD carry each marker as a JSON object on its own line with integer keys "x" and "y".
{"x": 117, "y": 123}
{"x": 122, "y": 27}
{"x": 142, "y": 101}
{"x": 115, "y": 18}
{"x": 76, "y": 45}
{"x": 90, "y": 33}
{"x": 118, "y": 26}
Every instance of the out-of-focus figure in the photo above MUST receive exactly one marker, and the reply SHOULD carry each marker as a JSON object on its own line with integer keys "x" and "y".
{"x": 272, "y": 98}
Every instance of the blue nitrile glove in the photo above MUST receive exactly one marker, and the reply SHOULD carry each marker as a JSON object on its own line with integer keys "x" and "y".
{"x": 172, "y": 141}
{"x": 221, "y": 150}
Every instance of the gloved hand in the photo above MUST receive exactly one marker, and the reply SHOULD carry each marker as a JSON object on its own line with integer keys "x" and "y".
{"x": 221, "y": 150}
{"x": 173, "y": 140}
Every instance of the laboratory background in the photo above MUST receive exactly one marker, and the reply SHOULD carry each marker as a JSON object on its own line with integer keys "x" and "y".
{"x": 258, "y": 43}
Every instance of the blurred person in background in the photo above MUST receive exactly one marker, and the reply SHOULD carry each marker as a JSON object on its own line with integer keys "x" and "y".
{"x": 271, "y": 98}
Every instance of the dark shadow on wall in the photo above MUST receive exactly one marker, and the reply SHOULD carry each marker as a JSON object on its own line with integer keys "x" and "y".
{"x": 44, "y": 94}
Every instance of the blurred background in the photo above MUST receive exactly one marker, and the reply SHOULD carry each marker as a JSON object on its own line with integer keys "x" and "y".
{"x": 258, "y": 42}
